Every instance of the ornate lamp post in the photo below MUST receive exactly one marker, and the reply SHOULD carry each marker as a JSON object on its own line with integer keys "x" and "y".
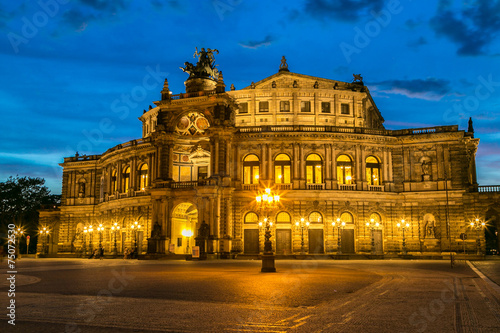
{"x": 91, "y": 245}
{"x": 302, "y": 225}
{"x": 85, "y": 232}
{"x": 135, "y": 229}
{"x": 19, "y": 232}
{"x": 477, "y": 225}
{"x": 115, "y": 227}
{"x": 267, "y": 201}
{"x": 373, "y": 225}
{"x": 187, "y": 233}
{"x": 340, "y": 225}
{"x": 100, "y": 229}
{"x": 404, "y": 226}
{"x": 44, "y": 234}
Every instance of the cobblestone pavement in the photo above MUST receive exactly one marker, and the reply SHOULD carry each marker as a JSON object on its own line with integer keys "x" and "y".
{"x": 490, "y": 268}
{"x": 232, "y": 295}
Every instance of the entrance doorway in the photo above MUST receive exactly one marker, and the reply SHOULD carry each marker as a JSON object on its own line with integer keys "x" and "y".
{"x": 316, "y": 241}
{"x": 251, "y": 241}
{"x": 377, "y": 239}
{"x": 184, "y": 219}
{"x": 283, "y": 241}
{"x": 347, "y": 240}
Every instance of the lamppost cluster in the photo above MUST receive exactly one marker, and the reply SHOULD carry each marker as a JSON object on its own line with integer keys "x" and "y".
{"x": 302, "y": 226}
{"x": 87, "y": 231}
{"x": 267, "y": 201}
{"x": 19, "y": 232}
{"x": 135, "y": 227}
{"x": 187, "y": 233}
{"x": 44, "y": 233}
{"x": 478, "y": 226}
{"x": 403, "y": 225}
{"x": 340, "y": 225}
{"x": 100, "y": 229}
{"x": 115, "y": 228}
{"x": 373, "y": 225}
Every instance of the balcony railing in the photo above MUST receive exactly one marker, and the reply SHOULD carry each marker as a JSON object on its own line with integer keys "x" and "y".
{"x": 347, "y": 187}
{"x": 488, "y": 188}
{"x": 315, "y": 186}
{"x": 283, "y": 187}
{"x": 375, "y": 188}
{"x": 250, "y": 187}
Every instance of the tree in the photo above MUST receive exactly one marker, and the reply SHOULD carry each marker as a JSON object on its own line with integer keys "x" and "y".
{"x": 20, "y": 199}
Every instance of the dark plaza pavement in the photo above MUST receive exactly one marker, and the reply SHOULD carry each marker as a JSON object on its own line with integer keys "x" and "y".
{"x": 116, "y": 295}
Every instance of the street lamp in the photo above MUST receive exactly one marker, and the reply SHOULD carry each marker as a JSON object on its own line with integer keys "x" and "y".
{"x": 340, "y": 225}
{"x": 373, "y": 225}
{"x": 100, "y": 229}
{"x": 91, "y": 230}
{"x": 115, "y": 227}
{"x": 187, "y": 233}
{"x": 478, "y": 225}
{"x": 44, "y": 233}
{"x": 85, "y": 232}
{"x": 267, "y": 202}
{"x": 135, "y": 229}
{"x": 19, "y": 232}
{"x": 302, "y": 225}
{"x": 404, "y": 226}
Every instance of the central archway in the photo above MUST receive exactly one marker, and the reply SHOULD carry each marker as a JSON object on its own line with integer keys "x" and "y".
{"x": 184, "y": 219}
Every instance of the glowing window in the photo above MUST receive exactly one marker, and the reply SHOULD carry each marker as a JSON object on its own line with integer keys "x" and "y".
{"x": 282, "y": 169}
{"x": 344, "y": 169}
{"x": 315, "y": 217}
{"x": 126, "y": 179}
{"x": 283, "y": 217}
{"x": 251, "y": 168}
{"x": 143, "y": 177}
{"x": 251, "y": 218}
{"x": 372, "y": 171}
{"x": 346, "y": 217}
{"x": 113, "y": 187}
{"x": 314, "y": 169}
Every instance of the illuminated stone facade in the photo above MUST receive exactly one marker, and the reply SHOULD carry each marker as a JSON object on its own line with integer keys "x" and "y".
{"x": 319, "y": 143}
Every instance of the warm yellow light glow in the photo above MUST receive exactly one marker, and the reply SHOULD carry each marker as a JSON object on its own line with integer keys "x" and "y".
{"x": 367, "y": 224}
{"x": 398, "y": 225}
{"x": 407, "y": 225}
{"x": 338, "y": 219}
{"x": 343, "y": 223}
{"x": 270, "y": 199}
{"x": 265, "y": 219}
{"x": 372, "y": 220}
{"x": 260, "y": 224}
{"x": 256, "y": 176}
{"x": 279, "y": 176}
{"x": 377, "y": 224}
{"x": 258, "y": 198}
{"x": 302, "y": 219}
{"x": 277, "y": 198}
{"x": 271, "y": 224}
{"x": 268, "y": 191}
{"x": 483, "y": 224}
{"x": 348, "y": 177}
{"x": 297, "y": 223}
{"x": 187, "y": 233}
{"x": 472, "y": 224}
{"x": 264, "y": 197}
{"x": 307, "y": 223}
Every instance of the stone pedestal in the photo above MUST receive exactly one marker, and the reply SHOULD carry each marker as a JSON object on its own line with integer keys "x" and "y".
{"x": 431, "y": 245}
{"x": 268, "y": 263}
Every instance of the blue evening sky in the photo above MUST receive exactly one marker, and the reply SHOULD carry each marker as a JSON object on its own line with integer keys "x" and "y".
{"x": 76, "y": 74}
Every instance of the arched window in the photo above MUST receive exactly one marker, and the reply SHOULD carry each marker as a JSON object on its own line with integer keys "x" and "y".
{"x": 314, "y": 169}
{"x": 251, "y": 218}
{"x": 315, "y": 217}
{"x": 282, "y": 166}
{"x": 344, "y": 169}
{"x": 375, "y": 217}
{"x": 113, "y": 186}
{"x": 372, "y": 170}
{"x": 126, "y": 179}
{"x": 143, "y": 177}
{"x": 283, "y": 217}
{"x": 251, "y": 167}
{"x": 346, "y": 217}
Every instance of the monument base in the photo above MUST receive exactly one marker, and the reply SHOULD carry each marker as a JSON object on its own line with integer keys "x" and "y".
{"x": 268, "y": 263}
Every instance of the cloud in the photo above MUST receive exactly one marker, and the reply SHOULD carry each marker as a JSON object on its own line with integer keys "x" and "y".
{"x": 472, "y": 27}
{"x": 430, "y": 89}
{"x": 343, "y": 10}
{"x": 256, "y": 44}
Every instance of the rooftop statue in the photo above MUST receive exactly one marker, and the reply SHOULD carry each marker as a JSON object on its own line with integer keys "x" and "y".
{"x": 205, "y": 67}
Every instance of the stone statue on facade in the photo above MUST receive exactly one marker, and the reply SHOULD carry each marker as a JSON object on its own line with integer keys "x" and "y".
{"x": 357, "y": 78}
{"x": 283, "y": 65}
{"x": 156, "y": 232}
{"x": 205, "y": 67}
{"x": 430, "y": 229}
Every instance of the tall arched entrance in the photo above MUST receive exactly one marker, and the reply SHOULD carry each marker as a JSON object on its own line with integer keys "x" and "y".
{"x": 184, "y": 228}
